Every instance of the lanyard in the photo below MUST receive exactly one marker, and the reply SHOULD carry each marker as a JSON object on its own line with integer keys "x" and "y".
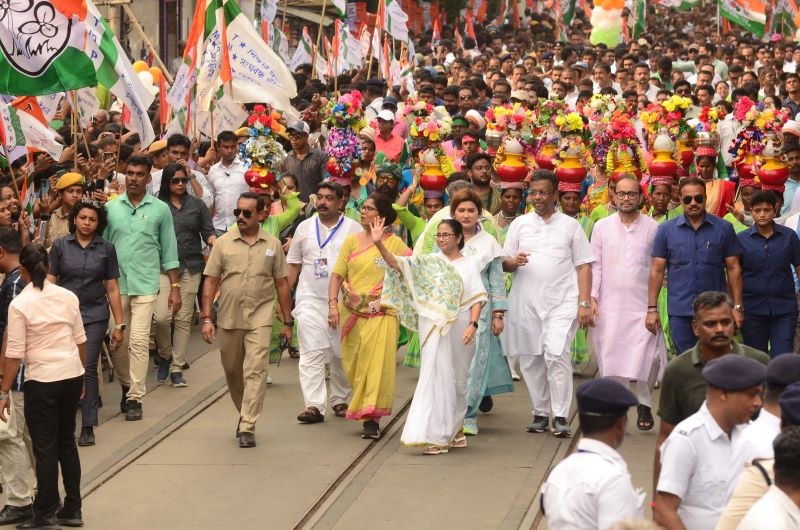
{"x": 330, "y": 236}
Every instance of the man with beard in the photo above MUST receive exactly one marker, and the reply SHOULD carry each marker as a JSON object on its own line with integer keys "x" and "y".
{"x": 703, "y": 457}
{"x": 683, "y": 388}
{"x": 479, "y": 171}
{"x": 641, "y": 76}
{"x": 450, "y": 98}
{"x": 315, "y": 246}
{"x": 305, "y": 163}
{"x": 248, "y": 266}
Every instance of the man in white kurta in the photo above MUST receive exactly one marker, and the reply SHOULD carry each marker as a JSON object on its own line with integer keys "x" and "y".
{"x": 621, "y": 246}
{"x": 543, "y": 249}
{"x": 313, "y": 252}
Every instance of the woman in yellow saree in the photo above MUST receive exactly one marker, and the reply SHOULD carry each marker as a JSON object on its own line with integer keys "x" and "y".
{"x": 369, "y": 330}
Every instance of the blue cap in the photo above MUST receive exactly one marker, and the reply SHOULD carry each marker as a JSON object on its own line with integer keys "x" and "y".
{"x": 783, "y": 370}
{"x": 604, "y": 397}
{"x": 734, "y": 372}
{"x": 790, "y": 405}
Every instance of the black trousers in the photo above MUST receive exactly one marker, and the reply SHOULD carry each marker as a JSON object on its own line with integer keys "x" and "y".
{"x": 50, "y": 410}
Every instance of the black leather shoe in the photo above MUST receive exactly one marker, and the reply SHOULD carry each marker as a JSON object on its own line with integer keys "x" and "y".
{"x": 39, "y": 522}
{"x": 247, "y": 439}
{"x": 73, "y": 520}
{"x": 87, "y": 437}
{"x": 134, "y": 411}
{"x": 15, "y": 514}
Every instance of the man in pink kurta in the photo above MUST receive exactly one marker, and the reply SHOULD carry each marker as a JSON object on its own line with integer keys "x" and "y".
{"x": 621, "y": 245}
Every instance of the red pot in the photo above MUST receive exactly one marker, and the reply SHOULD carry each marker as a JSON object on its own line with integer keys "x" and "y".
{"x": 745, "y": 171}
{"x": 433, "y": 182}
{"x": 259, "y": 177}
{"x": 772, "y": 176}
{"x": 512, "y": 173}
{"x": 570, "y": 175}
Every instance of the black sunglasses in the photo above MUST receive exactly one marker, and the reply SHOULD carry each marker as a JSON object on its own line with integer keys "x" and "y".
{"x": 247, "y": 213}
{"x": 699, "y": 199}
{"x": 179, "y": 180}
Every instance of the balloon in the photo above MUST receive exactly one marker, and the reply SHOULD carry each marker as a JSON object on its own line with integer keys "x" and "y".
{"x": 604, "y": 25}
{"x": 610, "y": 38}
{"x": 140, "y": 66}
{"x": 146, "y": 78}
{"x": 615, "y": 4}
{"x": 156, "y": 73}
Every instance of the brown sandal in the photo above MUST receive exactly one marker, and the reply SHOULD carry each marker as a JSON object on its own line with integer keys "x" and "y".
{"x": 340, "y": 410}
{"x": 310, "y": 415}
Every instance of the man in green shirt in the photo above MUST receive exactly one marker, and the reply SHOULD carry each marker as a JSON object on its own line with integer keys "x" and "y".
{"x": 683, "y": 389}
{"x": 140, "y": 226}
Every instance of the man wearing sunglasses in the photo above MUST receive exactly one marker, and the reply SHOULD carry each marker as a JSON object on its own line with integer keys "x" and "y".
{"x": 698, "y": 249}
{"x": 247, "y": 265}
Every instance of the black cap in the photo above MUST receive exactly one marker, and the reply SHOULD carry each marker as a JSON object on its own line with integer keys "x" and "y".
{"x": 790, "y": 405}
{"x": 604, "y": 397}
{"x": 391, "y": 101}
{"x": 734, "y": 372}
{"x": 547, "y": 56}
{"x": 380, "y": 83}
{"x": 783, "y": 370}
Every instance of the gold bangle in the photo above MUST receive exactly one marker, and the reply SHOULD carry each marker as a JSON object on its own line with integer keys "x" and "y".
{"x": 175, "y": 285}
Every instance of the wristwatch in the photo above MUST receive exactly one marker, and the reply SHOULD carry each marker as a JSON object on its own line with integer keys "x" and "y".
{"x": 120, "y": 327}
{"x": 585, "y": 304}
{"x": 474, "y": 324}
{"x": 739, "y": 307}
{"x": 289, "y": 323}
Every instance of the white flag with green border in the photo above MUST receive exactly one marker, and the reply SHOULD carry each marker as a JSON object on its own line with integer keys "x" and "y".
{"x": 20, "y": 129}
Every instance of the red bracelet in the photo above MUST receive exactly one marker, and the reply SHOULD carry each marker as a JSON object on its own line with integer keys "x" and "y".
{"x": 653, "y": 504}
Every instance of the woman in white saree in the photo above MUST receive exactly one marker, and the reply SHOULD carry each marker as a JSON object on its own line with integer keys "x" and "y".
{"x": 440, "y": 296}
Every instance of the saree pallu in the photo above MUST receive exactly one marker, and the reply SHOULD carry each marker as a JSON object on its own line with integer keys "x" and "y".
{"x": 369, "y": 339}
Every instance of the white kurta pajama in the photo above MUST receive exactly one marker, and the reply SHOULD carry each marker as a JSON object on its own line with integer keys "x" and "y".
{"x": 543, "y": 306}
{"x": 319, "y": 344}
{"x": 625, "y": 349}
{"x": 440, "y": 398}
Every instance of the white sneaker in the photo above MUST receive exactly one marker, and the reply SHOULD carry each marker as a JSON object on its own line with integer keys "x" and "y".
{"x": 269, "y": 380}
{"x": 514, "y": 375}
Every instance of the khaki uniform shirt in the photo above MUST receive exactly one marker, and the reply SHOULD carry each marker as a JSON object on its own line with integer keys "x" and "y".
{"x": 751, "y": 487}
{"x": 57, "y": 226}
{"x": 247, "y": 273}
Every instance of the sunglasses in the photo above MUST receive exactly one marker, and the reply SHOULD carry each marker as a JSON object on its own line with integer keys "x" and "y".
{"x": 246, "y": 213}
{"x": 699, "y": 199}
{"x": 179, "y": 180}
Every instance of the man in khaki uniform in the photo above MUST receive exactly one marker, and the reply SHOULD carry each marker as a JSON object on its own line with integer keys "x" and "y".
{"x": 247, "y": 265}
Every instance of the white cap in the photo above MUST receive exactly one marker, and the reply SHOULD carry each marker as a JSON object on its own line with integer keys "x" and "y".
{"x": 386, "y": 115}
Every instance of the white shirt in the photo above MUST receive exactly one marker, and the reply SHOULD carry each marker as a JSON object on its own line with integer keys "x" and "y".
{"x": 226, "y": 184}
{"x": 312, "y": 292}
{"x": 544, "y": 295}
{"x": 155, "y": 186}
{"x": 759, "y": 435}
{"x": 775, "y": 511}
{"x": 590, "y": 489}
{"x": 702, "y": 466}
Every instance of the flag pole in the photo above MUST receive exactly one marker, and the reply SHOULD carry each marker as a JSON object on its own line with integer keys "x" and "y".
{"x": 74, "y": 120}
{"x": 13, "y": 175}
{"x": 319, "y": 38}
{"x": 146, "y": 41}
{"x": 369, "y": 52}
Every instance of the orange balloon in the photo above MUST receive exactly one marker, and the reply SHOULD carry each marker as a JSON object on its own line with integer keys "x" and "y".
{"x": 615, "y": 4}
{"x": 140, "y": 66}
{"x": 156, "y": 72}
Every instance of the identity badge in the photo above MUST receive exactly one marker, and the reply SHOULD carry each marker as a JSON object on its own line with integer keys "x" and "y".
{"x": 321, "y": 268}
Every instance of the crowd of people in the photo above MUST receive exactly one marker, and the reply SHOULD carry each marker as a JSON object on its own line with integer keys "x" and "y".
{"x": 688, "y": 282}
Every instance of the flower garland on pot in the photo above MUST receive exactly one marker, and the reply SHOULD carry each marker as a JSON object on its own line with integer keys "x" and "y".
{"x": 574, "y": 138}
{"x": 262, "y": 153}
{"x": 624, "y": 150}
{"x": 345, "y": 118}
{"x": 760, "y": 126}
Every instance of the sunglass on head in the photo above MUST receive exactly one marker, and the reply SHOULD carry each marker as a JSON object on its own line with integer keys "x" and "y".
{"x": 179, "y": 180}
{"x": 699, "y": 199}
{"x": 246, "y": 213}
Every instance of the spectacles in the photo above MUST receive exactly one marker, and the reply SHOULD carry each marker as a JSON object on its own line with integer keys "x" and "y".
{"x": 179, "y": 180}
{"x": 538, "y": 193}
{"x": 699, "y": 199}
{"x": 444, "y": 236}
{"x": 627, "y": 194}
{"x": 246, "y": 213}
{"x": 366, "y": 208}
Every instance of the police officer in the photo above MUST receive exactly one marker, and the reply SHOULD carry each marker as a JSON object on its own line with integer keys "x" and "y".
{"x": 702, "y": 459}
{"x": 592, "y": 488}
